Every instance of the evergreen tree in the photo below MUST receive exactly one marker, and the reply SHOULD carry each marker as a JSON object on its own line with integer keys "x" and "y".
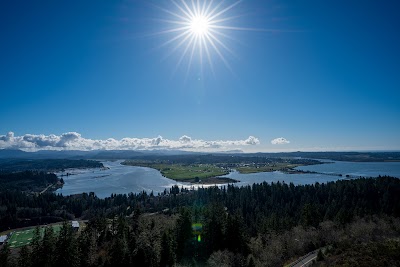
{"x": 24, "y": 257}
{"x": 35, "y": 256}
{"x": 87, "y": 247}
{"x": 67, "y": 253}
{"x": 5, "y": 256}
{"x": 118, "y": 252}
{"x": 214, "y": 229}
{"x": 320, "y": 256}
{"x": 167, "y": 250}
{"x": 235, "y": 234}
{"x": 251, "y": 262}
{"x": 47, "y": 247}
{"x": 184, "y": 235}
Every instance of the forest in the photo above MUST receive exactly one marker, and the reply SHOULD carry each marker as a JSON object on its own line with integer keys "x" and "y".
{"x": 15, "y": 165}
{"x": 259, "y": 225}
{"x": 29, "y": 181}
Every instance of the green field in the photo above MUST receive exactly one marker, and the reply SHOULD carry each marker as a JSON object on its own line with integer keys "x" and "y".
{"x": 181, "y": 172}
{"x": 186, "y": 172}
{"x": 24, "y": 237}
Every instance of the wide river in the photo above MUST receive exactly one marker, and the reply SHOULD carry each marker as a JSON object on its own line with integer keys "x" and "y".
{"x": 121, "y": 179}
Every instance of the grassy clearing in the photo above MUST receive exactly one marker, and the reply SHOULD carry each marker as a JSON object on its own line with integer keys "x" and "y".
{"x": 24, "y": 237}
{"x": 181, "y": 172}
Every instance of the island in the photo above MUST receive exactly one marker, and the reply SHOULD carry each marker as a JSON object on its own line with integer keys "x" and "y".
{"x": 211, "y": 169}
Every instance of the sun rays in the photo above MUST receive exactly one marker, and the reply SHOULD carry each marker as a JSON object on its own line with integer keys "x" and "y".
{"x": 199, "y": 31}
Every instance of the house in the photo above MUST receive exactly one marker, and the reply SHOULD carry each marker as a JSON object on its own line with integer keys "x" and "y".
{"x": 3, "y": 239}
{"x": 75, "y": 225}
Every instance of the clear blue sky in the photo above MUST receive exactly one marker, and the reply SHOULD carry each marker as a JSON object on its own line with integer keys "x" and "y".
{"x": 328, "y": 78}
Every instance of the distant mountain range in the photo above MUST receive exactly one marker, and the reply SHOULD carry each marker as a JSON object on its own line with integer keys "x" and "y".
{"x": 94, "y": 154}
{"x": 129, "y": 154}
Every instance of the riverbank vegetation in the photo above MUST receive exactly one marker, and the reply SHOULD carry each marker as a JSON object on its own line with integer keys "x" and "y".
{"x": 197, "y": 168}
{"x": 27, "y": 181}
{"x": 35, "y": 176}
{"x": 181, "y": 172}
{"x": 48, "y": 165}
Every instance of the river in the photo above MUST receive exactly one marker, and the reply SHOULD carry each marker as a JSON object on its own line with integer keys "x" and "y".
{"x": 121, "y": 179}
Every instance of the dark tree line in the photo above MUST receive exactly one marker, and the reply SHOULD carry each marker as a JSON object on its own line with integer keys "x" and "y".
{"x": 239, "y": 225}
{"x": 17, "y": 165}
{"x": 276, "y": 206}
{"x": 26, "y": 180}
{"x": 218, "y": 159}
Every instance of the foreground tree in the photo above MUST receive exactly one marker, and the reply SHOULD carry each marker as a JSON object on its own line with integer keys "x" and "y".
{"x": 167, "y": 250}
{"x": 5, "y": 256}
{"x": 24, "y": 259}
{"x": 66, "y": 253}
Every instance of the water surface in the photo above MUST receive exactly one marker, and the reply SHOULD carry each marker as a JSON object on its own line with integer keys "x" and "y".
{"x": 365, "y": 169}
{"x": 121, "y": 179}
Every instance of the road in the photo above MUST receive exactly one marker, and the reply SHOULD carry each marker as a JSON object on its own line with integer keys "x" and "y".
{"x": 44, "y": 190}
{"x": 306, "y": 260}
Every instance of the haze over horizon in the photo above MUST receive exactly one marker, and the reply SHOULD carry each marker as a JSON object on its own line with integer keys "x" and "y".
{"x": 257, "y": 76}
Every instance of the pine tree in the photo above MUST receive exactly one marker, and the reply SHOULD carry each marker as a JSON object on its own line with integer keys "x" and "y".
{"x": 184, "y": 235}
{"x": 5, "y": 256}
{"x": 87, "y": 247}
{"x": 320, "y": 256}
{"x": 118, "y": 252}
{"x": 235, "y": 234}
{"x": 24, "y": 257}
{"x": 251, "y": 262}
{"x": 167, "y": 251}
{"x": 35, "y": 256}
{"x": 67, "y": 253}
{"x": 214, "y": 229}
{"x": 47, "y": 247}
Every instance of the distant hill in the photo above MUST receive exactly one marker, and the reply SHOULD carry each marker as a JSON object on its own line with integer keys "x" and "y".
{"x": 130, "y": 154}
{"x": 339, "y": 156}
{"x": 94, "y": 154}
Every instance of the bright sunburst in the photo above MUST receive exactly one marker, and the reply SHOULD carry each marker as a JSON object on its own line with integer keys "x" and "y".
{"x": 199, "y": 25}
{"x": 200, "y": 28}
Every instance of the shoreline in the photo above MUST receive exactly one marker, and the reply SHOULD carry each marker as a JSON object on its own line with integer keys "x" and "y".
{"x": 209, "y": 181}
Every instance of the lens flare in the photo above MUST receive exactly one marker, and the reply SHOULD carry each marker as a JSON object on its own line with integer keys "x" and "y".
{"x": 203, "y": 30}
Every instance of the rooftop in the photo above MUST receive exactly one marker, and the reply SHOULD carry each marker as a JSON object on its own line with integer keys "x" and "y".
{"x": 3, "y": 238}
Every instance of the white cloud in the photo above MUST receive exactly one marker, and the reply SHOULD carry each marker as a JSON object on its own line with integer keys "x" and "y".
{"x": 252, "y": 141}
{"x": 185, "y": 139}
{"x": 74, "y": 141}
{"x": 280, "y": 141}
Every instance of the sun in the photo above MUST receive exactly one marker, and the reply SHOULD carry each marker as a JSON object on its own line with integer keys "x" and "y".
{"x": 200, "y": 30}
{"x": 203, "y": 30}
{"x": 199, "y": 26}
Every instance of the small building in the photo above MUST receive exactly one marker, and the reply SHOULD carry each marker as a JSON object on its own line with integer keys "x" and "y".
{"x": 3, "y": 239}
{"x": 75, "y": 225}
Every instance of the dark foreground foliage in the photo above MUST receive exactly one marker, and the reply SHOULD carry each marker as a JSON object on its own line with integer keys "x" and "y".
{"x": 260, "y": 207}
{"x": 259, "y": 225}
{"x": 373, "y": 253}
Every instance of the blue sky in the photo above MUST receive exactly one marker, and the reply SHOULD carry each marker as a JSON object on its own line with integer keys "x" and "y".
{"x": 326, "y": 77}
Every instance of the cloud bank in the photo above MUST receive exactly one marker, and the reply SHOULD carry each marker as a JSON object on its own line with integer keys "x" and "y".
{"x": 74, "y": 141}
{"x": 280, "y": 141}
